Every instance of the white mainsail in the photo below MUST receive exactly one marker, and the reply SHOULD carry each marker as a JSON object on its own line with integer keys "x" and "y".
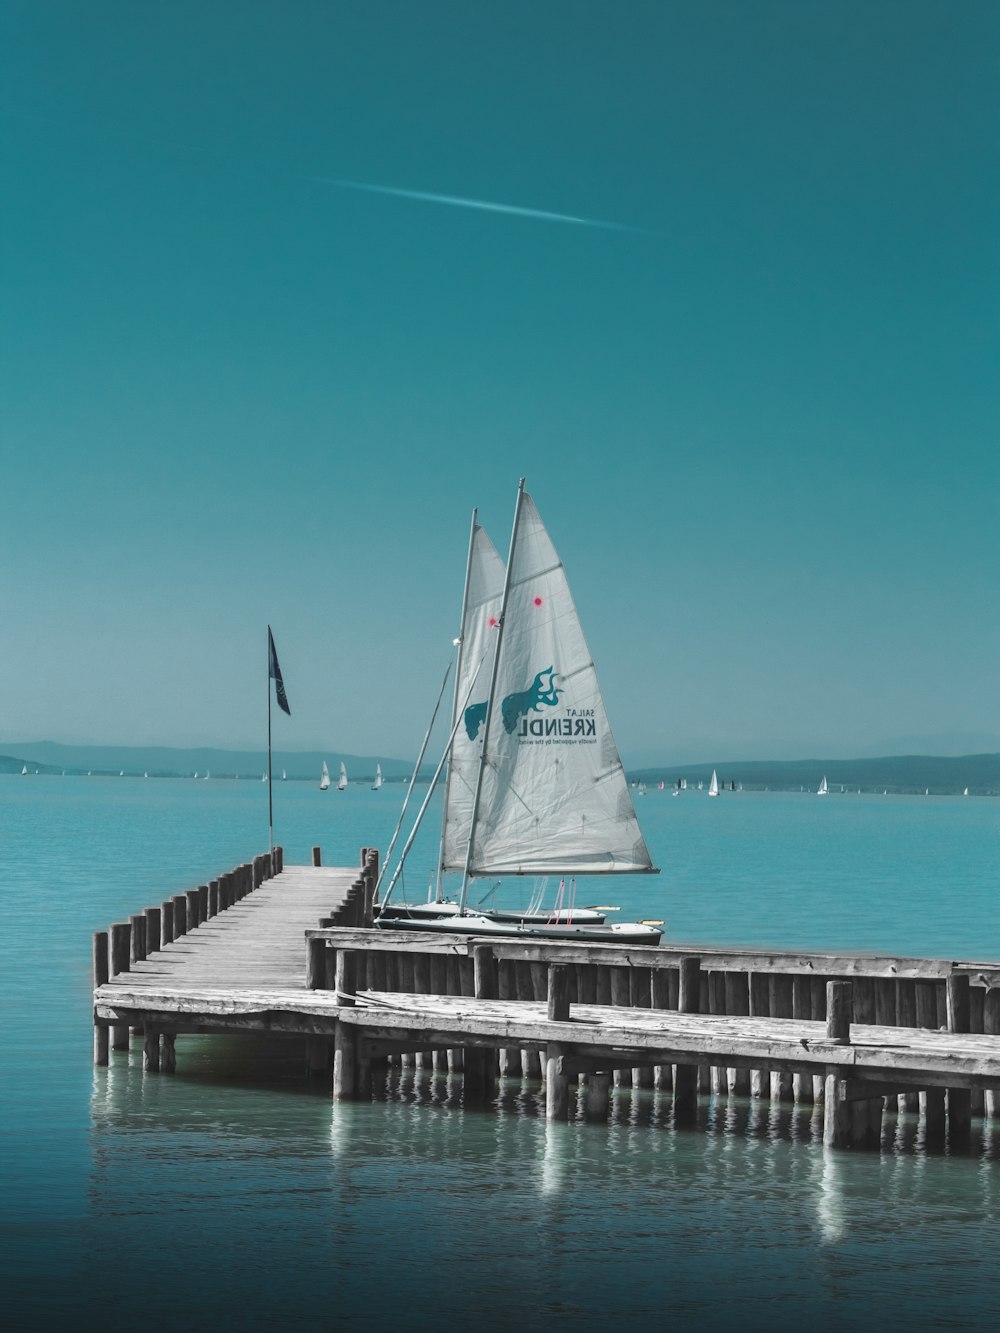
{"x": 713, "y": 786}
{"x": 342, "y": 780}
{"x": 822, "y": 789}
{"x": 324, "y": 779}
{"x": 480, "y": 615}
{"x": 377, "y": 784}
{"x": 554, "y": 799}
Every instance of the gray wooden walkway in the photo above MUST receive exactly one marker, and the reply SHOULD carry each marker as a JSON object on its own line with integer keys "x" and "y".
{"x": 259, "y": 941}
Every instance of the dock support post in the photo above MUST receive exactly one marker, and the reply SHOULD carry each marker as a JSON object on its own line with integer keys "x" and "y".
{"x": 839, "y": 1123}
{"x": 121, "y": 948}
{"x": 558, "y": 996}
{"x": 991, "y": 1025}
{"x": 479, "y": 1081}
{"x": 556, "y": 1084}
{"x": 838, "y": 1012}
{"x": 686, "y": 1076}
{"x": 959, "y": 1099}
{"x": 316, "y": 963}
{"x": 597, "y": 1096}
{"x": 167, "y": 921}
{"x": 345, "y": 1045}
{"x": 836, "y": 1108}
{"x": 152, "y": 930}
{"x": 151, "y": 1051}
{"x": 101, "y": 962}
{"x": 317, "y": 856}
{"x": 168, "y": 1053}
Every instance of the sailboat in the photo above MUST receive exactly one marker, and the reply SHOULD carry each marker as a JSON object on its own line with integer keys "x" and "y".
{"x": 207, "y": 775}
{"x": 342, "y": 780}
{"x": 713, "y": 786}
{"x": 284, "y": 776}
{"x": 377, "y": 784}
{"x": 822, "y": 789}
{"x": 966, "y": 792}
{"x": 24, "y": 771}
{"x": 324, "y": 780}
{"x": 535, "y": 784}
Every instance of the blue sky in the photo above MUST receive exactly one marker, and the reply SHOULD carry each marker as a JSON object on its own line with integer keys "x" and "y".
{"x": 758, "y": 412}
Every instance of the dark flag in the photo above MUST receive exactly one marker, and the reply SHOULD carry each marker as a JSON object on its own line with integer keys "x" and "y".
{"x": 274, "y": 671}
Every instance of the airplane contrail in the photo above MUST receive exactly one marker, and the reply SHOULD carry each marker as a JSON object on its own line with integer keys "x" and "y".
{"x": 484, "y": 205}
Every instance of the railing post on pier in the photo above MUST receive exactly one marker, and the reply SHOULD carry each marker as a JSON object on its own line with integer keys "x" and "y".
{"x": 101, "y": 1033}
{"x": 121, "y": 948}
{"x": 180, "y": 915}
{"x": 153, "y": 915}
{"x": 686, "y": 1076}
{"x": 558, "y": 991}
{"x": 316, "y": 963}
{"x": 479, "y": 1064}
{"x": 193, "y": 909}
{"x": 837, "y": 1119}
{"x": 959, "y": 1099}
{"x": 345, "y": 1044}
{"x": 137, "y": 944}
{"x": 167, "y": 921}
{"x": 317, "y": 856}
{"x": 213, "y": 897}
{"x": 838, "y": 1012}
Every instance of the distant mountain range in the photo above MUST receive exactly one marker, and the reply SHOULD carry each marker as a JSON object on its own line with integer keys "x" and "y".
{"x": 163, "y": 761}
{"x": 899, "y": 773}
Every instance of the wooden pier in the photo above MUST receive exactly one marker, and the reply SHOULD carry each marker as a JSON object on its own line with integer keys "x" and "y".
{"x": 291, "y": 950}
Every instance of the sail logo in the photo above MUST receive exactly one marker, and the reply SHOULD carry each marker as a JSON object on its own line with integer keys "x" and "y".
{"x": 517, "y": 705}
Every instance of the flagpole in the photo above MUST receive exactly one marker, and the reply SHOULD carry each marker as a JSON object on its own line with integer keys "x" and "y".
{"x": 270, "y": 802}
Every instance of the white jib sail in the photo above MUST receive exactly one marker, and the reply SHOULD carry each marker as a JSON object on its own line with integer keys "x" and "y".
{"x": 480, "y": 615}
{"x": 555, "y": 799}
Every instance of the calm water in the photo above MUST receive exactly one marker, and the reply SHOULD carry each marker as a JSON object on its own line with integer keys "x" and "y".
{"x": 236, "y": 1195}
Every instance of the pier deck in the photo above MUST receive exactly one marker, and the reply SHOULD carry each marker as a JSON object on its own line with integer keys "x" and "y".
{"x": 274, "y": 950}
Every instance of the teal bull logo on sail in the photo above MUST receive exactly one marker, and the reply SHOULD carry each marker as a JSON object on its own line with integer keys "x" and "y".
{"x": 517, "y": 705}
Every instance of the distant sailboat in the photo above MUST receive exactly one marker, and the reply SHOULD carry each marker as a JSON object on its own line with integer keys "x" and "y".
{"x": 196, "y": 772}
{"x": 207, "y": 775}
{"x": 121, "y": 772}
{"x": 966, "y": 792}
{"x": 713, "y": 786}
{"x": 284, "y": 776}
{"x": 145, "y": 775}
{"x": 822, "y": 789}
{"x": 377, "y": 784}
{"x": 324, "y": 781}
{"x": 24, "y": 771}
{"x": 263, "y": 777}
{"x": 642, "y": 789}
{"x": 342, "y": 780}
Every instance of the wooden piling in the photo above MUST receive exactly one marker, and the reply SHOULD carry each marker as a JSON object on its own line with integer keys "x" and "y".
{"x": 168, "y": 1054}
{"x": 317, "y": 855}
{"x": 180, "y": 915}
{"x": 193, "y": 909}
{"x": 101, "y": 976}
{"x": 167, "y": 922}
{"x": 316, "y": 963}
{"x": 959, "y": 1099}
{"x": 137, "y": 942}
{"x": 556, "y": 1084}
{"x": 991, "y": 1025}
{"x": 510, "y": 1056}
{"x": 737, "y": 1001}
{"x": 151, "y": 1051}
{"x": 686, "y": 1076}
{"x": 780, "y": 1001}
{"x": 802, "y": 1083}
{"x": 152, "y": 930}
{"x": 345, "y": 1038}
{"x": 213, "y": 897}
{"x": 120, "y": 960}
{"x": 596, "y": 1097}
{"x": 839, "y": 1000}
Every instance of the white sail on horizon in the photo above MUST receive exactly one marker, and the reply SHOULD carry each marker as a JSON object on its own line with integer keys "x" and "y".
{"x": 342, "y": 780}
{"x": 480, "y": 616}
{"x": 555, "y": 799}
{"x": 324, "y": 779}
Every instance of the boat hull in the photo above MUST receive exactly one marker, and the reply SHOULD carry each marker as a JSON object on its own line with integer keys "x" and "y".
{"x": 621, "y": 932}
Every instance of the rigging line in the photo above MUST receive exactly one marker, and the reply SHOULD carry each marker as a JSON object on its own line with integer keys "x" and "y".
{"x": 434, "y": 781}
{"x": 409, "y": 790}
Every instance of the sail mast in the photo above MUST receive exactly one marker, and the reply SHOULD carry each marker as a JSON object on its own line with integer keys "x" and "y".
{"x": 460, "y": 644}
{"x": 490, "y": 699}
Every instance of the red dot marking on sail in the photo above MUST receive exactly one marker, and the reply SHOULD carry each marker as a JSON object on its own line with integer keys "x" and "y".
{"x": 538, "y": 601}
{"x": 493, "y": 622}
